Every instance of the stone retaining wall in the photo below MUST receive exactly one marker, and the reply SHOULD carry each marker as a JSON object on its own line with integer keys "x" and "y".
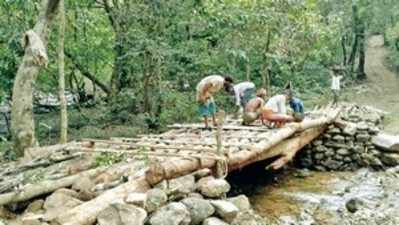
{"x": 347, "y": 145}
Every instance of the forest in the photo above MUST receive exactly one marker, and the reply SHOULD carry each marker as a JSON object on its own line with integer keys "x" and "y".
{"x": 133, "y": 65}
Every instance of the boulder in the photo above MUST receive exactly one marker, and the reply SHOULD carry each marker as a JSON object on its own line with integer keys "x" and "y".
{"x": 343, "y": 151}
{"x": 318, "y": 156}
{"x": 317, "y": 143}
{"x": 35, "y": 206}
{"x": 155, "y": 199}
{"x": 390, "y": 159}
{"x": 137, "y": 199}
{"x": 339, "y": 138}
{"x": 84, "y": 183}
{"x": 59, "y": 202}
{"x": 214, "y": 221}
{"x": 333, "y": 131}
{"x": 362, "y": 126}
{"x": 353, "y": 204}
{"x": 225, "y": 209}
{"x": 213, "y": 188}
{"x": 174, "y": 213}
{"x": 84, "y": 186}
{"x": 363, "y": 137}
{"x": 333, "y": 164}
{"x": 181, "y": 186}
{"x": 249, "y": 218}
{"x": 241, "y": 202}
{"x": 195, "y": 195}
{"x": 199, "y": 209}
{"x": 31, "y": 219}
{"x": 122, "y": 214}
{"x": 349, "y": 130}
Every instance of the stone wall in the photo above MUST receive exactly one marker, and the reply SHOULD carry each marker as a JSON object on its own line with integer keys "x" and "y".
{"x": 347, "y": 145}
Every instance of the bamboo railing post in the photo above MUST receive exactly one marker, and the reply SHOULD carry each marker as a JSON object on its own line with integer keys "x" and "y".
{"x": 220, "y": 170}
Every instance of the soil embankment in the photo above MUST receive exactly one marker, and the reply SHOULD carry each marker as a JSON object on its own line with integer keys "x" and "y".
{"x": 381, "y": 89}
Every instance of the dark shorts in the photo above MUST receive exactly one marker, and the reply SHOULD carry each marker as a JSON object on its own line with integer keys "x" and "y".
{"x": 207, "y": 109}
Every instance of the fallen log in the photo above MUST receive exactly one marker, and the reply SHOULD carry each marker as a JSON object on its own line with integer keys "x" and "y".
{"x": 386, "y": 142}
{"x": 87, "y": 212}
{"x": 44, "y": 187}
{"x": 289, "y": 148}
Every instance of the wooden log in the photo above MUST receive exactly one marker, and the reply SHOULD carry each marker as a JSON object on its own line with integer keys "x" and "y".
{"x": 389, "y": 143}
{"x": 146, "y": 153}
{"x": 137, "y": 146}
{"x": 87, "y": 212}
{"x": 32, "y": 190}
{"x": 289, "y": 148}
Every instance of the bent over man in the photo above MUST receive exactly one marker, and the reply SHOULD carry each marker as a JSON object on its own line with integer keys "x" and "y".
{"x": 208, "y": 87}
{"x": 243, "y": 92}
{"x": 253, "y": 108}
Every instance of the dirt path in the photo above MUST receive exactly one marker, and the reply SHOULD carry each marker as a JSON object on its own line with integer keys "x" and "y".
{"x": 382, "y": 87}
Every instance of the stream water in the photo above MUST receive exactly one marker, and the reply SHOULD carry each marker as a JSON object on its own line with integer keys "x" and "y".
{"x": 323, "y": 198}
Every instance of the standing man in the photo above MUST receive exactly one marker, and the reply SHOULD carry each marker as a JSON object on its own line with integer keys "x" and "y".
{"x": 335, "y": 84}
{"x": 206, "y": 88}
{"x": 243, "y": 92}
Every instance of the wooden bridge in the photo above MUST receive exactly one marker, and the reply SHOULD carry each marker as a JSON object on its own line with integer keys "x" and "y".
{"x": 185, "y": 148}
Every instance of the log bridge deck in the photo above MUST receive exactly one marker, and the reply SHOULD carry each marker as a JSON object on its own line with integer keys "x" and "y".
{"x": 180, "y": 151}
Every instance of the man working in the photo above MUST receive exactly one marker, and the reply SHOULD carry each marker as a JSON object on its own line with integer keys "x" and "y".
{"x": 243, "y": 93}
{"x": 253, "y": 107}
{"x": 275, "y": 110}
{"x": 206, "y": 88}
{"x": 296, "y": 105}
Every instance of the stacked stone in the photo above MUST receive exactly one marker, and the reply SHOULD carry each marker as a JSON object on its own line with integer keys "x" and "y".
{"x": 196, "y": 199}
{"x": 347, "y": 146}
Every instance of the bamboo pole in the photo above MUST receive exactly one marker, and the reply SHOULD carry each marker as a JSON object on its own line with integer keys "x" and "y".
{"x": 145, "y": 153}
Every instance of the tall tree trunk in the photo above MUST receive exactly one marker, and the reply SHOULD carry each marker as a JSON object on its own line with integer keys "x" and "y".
{"x": 265, "y": 72}
{"x": 343, "y": 45}
{"x": 361, "y": 74}
{"x": 61, "y": 70}
{"x": 35, "y": 57}
{"x": 248, "y": 69}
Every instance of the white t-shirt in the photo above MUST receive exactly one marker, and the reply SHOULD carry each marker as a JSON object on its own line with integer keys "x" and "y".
{"x": 217, "y": 83}
{"x": 277, "y": 104}
{"x": 336, "y": 83}
{"x": 240, "y": 88}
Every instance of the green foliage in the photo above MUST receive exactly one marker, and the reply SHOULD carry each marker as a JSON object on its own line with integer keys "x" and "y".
{"x": 107, "y": 159}
{"x": 151, "y": 54}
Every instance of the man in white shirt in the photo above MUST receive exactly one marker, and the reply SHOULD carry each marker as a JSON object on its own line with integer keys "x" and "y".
{"x": 278, "y": 103}
{"x": 206, "y": 88}
{"x": 335, "y": 84}
{"x": 243, "y": 92}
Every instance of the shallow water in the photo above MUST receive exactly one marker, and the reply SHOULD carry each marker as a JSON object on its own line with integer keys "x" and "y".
{"x": 308, "y": 198}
